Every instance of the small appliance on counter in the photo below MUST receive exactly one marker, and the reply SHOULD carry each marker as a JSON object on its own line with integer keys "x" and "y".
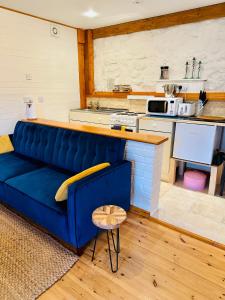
{"x": 164, "y": 106}
{"x": 186, "y": 109}
{"x": 30, "y": 110}
{"x": 172, "y": 90}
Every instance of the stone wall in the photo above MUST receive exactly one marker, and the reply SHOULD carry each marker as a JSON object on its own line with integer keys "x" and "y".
{"x": 136, "y": 58}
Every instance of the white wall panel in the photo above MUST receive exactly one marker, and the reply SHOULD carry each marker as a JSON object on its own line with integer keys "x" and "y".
{"x": 27, "y": 47}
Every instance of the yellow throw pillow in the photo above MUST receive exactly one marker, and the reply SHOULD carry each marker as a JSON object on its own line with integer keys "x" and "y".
{"x": 62, "y": 193}
{"x": 5, "y": 144}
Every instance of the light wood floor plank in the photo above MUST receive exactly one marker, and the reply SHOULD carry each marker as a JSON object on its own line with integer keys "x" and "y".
{"x": 198, "y": 265}
{"x": 156, "y": 263}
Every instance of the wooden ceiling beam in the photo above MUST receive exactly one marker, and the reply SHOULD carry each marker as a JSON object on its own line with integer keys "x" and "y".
{"x": 183, "y": 17}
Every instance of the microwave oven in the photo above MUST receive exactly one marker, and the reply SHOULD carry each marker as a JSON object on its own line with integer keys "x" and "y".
{"x": 165, "y": 106}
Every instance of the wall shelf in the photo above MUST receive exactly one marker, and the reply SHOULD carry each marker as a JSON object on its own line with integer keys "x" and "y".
{"x": 212, "y": 96}
{"x": 182, "y": 80}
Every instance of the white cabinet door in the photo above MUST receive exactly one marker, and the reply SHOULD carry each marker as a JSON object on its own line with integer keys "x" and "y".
{"x": 167, "y": 148}
{"x": 155, "y": 125}
{"x": 195, "y": 142}
{"x": 90, "y": 117}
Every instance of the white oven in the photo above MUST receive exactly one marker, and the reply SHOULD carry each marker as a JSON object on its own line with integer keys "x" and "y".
{"x": 128, "y": 121}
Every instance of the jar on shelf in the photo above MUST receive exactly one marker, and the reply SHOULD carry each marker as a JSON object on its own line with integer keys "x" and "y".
{"x": 164, "y": 72}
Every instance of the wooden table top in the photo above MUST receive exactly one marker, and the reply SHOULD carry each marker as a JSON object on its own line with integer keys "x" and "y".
{"x": 109, "y": 217}
{"x": 133, "y": 136}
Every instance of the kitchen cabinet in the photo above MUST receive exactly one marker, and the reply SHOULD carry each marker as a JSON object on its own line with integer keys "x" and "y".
{"x": 90, "y": 118}
{"x": 160, "y": 128}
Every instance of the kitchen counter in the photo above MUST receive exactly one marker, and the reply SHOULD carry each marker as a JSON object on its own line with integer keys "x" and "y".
{"x": 132, "y": 136}
{"x": 143, "y": 150}
{"x": 191, "y": 120}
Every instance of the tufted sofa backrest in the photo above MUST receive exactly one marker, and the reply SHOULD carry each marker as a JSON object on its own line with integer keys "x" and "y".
{"x": 70, "y": 150}
{"x": 76, "y": 151}
{"x": 34, "y": 140}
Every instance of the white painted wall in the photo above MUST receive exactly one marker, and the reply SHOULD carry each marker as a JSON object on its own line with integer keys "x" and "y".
{"x": 136, "y": 58}
{"x": 26, "y": 47}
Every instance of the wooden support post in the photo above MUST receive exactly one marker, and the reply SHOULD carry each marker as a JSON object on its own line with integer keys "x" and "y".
{"x": 173, "y": 170}
{"x": 81, "y": 44}
{"x": 215, "y": 175}
{"x": 89, "y": 62}
{"x": 86, "y": 64}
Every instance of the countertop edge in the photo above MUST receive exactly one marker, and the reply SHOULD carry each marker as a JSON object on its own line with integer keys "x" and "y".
{"x": 173, "y": 120}
{"x": 132, "y": 136}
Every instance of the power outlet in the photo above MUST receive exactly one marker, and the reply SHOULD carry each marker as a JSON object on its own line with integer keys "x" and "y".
{"x": 28, "y": 76}
{"x": 41, "y": 99}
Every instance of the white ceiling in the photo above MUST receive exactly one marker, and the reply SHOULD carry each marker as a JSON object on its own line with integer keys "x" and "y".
{"x": 109, "y": 11}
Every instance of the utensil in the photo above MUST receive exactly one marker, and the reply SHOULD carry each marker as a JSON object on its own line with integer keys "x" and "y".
{"x": 170, "y": 90}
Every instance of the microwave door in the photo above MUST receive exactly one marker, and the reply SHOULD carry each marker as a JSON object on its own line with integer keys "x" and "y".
{"x": 157, "y": 106}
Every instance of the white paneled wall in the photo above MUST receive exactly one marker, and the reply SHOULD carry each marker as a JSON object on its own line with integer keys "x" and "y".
{"x": 146, "y": 171}
{"x": 136, "y": 58}
{"x": 27, "y": 47}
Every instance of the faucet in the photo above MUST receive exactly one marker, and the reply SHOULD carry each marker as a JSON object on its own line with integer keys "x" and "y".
{"x": 90, "y": 105}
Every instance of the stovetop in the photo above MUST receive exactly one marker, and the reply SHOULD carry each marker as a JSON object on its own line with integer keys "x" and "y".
{"x": 130, "y": 114}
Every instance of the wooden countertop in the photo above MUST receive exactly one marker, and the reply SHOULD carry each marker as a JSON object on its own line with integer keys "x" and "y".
{"x": 138, "y": 137}
{"x": 188, "y": 121}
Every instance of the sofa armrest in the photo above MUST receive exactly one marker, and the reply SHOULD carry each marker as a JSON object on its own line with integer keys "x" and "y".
{"x": 108, "y": 186}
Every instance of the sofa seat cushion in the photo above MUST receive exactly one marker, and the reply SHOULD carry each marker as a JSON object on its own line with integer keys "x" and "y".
{"x": 41, "y": 185}
{"x": 12, "y": 165}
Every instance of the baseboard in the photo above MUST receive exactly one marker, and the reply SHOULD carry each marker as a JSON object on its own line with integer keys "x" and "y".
{"x": 188, "y": 233}
{"x": 147, "y": 214}
{"x": 139, "y": 211}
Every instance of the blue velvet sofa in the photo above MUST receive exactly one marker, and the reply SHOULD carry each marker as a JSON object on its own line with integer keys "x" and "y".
{"x": 43, "y": 158}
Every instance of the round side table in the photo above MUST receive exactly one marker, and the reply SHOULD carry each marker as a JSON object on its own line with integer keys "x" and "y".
{"x": 109, "y": 217}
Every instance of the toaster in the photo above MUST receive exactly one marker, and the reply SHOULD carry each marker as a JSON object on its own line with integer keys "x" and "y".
{"x": 187, "y": 109}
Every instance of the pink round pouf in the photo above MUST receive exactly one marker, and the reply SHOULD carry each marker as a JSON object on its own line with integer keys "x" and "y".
{"x": 195, "y": 180}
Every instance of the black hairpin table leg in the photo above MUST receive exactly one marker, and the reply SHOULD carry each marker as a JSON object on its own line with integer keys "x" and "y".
{"x": 116, "y": 248}
{"x": 96, "y": 237}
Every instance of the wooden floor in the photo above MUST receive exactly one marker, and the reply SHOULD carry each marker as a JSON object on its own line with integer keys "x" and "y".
{"x": 155, "y": 263}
